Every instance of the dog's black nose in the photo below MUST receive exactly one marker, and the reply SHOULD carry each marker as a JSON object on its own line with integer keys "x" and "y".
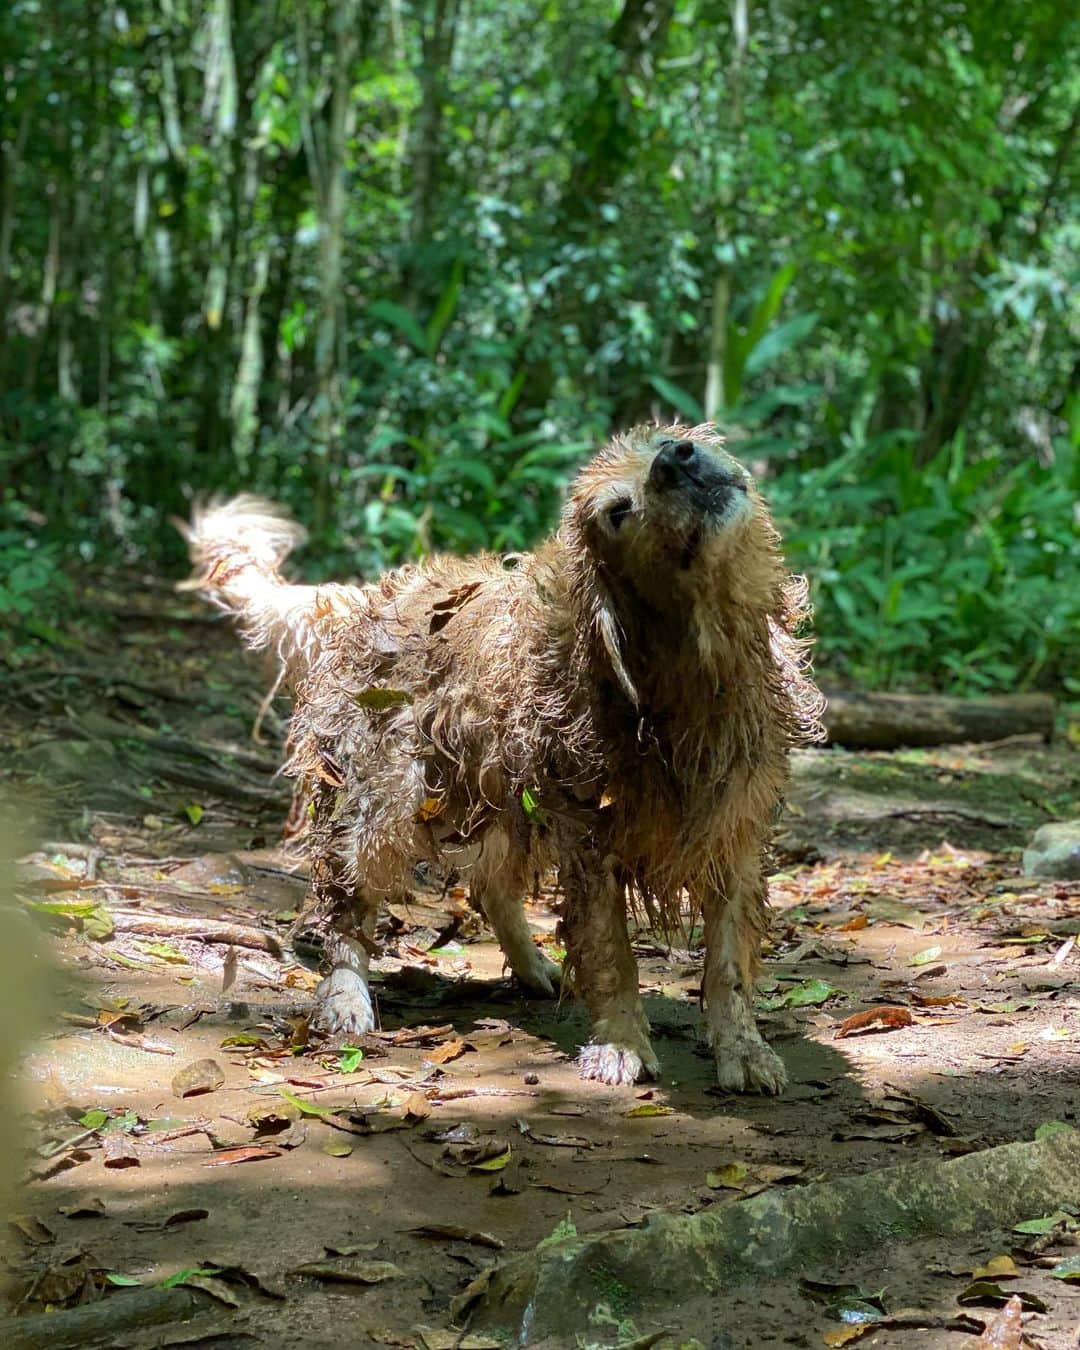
{"x": 674, "y": 460}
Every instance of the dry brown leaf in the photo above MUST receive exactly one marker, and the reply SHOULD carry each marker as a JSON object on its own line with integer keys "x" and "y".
{"x": 348, "y": 1270}
{"x": 201, "y": 1075}
{"x": 885, "y": 1017}
{"x": 443, "y": 1054}
{"x": 454, "y": 1234}
{"x": 119, "y": 1150}
{"x": 1005, "y": 1330}
{"x": 226, "y": 1157}
{"x": 29, "y": 1227}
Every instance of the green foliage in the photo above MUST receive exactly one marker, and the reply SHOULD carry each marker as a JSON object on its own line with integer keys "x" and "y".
{"x": 403, "y": 267}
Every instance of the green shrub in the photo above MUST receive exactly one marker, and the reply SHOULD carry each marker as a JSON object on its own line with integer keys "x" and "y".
{"x": 959, "y": 574}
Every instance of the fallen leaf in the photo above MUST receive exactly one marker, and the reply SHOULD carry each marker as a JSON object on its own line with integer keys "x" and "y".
{"x": 884, "y": 910}
{"x": 434, "y": 1338}
{"x": 378, "y": 699}
{"x": 903, "y": 1318}
{"x": 997, "y": 1268}
{"x": 305, "y": 1108}
{"x": 649, "y": 1109}
{"x": 337, "y": 1150}
{"x": 455, "y": 1234}
{"x": 350, "y": 1058}
{"x": 194, "y": 812}
{"x": 201, "y": 1075}
{"x": 31, "y": 1229}
{"x": 1051, "y": 1127}
{"x": 1005, "y": 1331}
{"x": 227, "y": 1157}
{"x": 553, "y": 1140}
{"x": 495, "y": 1164}
{"x": 729, "y": 1177}
{"x": 989, "y": 1292}
{"x": 883, "y": 1018}
{"x": 86, "y": 1209}
{"x": 176, "y": 1220}
{"x": 416, "y": 1107}
{"x": 164, "y": 951}
{"x": 450, "y": 1050}
{"x": 1046, "y": 1224}
{"x": 229, "y": 968}
{"x": 119, "y": 1150}
{"x": 809, "y": 993}
{"x": 348, "y": 1270}
{"x": 884, "y": 1133}
{"x": 924, "y": 957}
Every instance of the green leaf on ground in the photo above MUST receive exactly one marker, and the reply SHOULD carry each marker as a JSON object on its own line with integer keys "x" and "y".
{"x": 305, "y": 1108}
{"x": 1051, "y": 1127}
{"x": 194, "y": 812}
{"x": 809, "y": 993}
{"x": 349, "y": 1060}
{"x": 924, "y": 958}
{"x": 1044, "y": 1225}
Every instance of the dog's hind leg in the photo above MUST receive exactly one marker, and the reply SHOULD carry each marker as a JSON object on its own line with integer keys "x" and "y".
{"x": 604, "y": 970}
{"x": 343, "y": 1004}
{"x": 498, "y": 884}
{"x": 734, "y": 914}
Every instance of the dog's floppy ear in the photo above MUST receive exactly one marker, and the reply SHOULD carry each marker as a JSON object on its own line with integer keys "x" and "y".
{"x": 609, "y": 629}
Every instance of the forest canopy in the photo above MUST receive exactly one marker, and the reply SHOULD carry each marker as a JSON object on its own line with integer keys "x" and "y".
{"x": 403, "y": 265}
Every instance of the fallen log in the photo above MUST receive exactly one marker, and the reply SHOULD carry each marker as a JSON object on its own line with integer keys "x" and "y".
{"x": 567, "y": 1285}
{"x": 888, "y": 721}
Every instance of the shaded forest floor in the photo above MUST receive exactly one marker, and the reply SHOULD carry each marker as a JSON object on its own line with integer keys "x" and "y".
{"x": 344, "y": 1198}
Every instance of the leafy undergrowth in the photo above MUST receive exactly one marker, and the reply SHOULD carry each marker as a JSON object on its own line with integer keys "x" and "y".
{"x": 186, "y": 1130}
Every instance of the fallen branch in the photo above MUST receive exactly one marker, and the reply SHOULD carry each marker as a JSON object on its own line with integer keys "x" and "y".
{"x": 148, "y": 923}
{"x": 93, "y": 1322}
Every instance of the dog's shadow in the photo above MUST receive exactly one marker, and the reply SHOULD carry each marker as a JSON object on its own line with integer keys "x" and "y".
{"x": 688, "y": 1077}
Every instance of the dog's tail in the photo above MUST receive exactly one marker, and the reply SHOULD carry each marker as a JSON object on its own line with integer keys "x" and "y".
{"x": 237, "y": 548}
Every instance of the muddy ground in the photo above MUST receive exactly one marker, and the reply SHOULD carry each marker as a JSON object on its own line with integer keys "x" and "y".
{"x": 343, "y": 1198}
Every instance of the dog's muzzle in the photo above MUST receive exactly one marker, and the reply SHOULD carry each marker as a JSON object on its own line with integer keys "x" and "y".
{"x": 682, "y": 466}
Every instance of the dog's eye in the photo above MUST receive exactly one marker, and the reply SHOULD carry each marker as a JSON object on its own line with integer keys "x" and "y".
{"x": 619, "y": 511}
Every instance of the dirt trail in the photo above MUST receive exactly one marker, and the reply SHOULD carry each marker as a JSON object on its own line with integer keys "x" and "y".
{"x": 346, "y": 1198}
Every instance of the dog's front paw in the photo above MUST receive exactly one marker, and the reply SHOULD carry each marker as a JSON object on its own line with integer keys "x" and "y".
{"x": 617, "y": 1064}
{"x": 749, "y": 1065}
{"x": 343, "y": 1005}
{"x": 541, "y": 975}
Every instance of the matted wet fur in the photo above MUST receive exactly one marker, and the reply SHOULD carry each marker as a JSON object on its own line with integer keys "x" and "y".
{"x": 618, "y": 705}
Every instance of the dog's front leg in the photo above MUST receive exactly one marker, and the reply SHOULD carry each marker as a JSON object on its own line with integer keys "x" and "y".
{"x": 733, "y": 915}
{"x": 604, "y": 970}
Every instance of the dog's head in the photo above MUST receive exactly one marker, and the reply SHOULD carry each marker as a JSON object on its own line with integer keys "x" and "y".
{"x": 669, "y": 532}
{"x": 665, "y": 506}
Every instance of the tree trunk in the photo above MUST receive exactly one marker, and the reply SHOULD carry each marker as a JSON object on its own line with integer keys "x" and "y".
{"x": 328, "y": 178}
{"x": 888, "y": 721}
{"x": 717, "y": 394}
